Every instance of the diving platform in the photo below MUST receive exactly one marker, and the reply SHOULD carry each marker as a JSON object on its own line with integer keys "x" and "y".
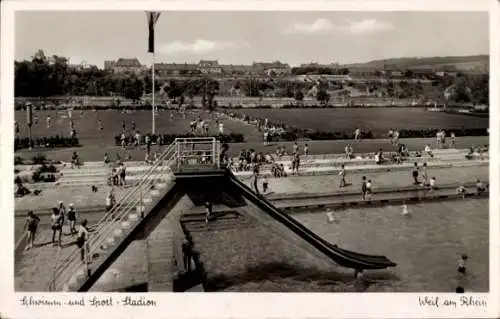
{"x": 186, "y": 175}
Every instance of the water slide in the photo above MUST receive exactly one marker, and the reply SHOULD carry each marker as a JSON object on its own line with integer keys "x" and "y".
{"x": 342, "y": 257}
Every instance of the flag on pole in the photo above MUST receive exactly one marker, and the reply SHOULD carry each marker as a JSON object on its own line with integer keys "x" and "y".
{"x": 152, "y": 18}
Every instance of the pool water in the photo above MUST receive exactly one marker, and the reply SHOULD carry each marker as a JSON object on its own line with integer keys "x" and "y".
{"x": 426, "y": 245}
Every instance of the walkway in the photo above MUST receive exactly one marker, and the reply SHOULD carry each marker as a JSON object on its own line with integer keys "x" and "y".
{"x": 96, "y": 153}
{"x": 84, "y": 199}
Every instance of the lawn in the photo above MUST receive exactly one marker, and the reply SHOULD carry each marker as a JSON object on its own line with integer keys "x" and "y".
{"x": 378, "y": 120}
{"x": 97, "y": 142}
{"x": 87, "y": 124}
{"x": 426, "y": 248}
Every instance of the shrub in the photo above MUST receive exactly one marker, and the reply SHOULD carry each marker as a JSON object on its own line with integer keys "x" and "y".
{"x": 39, "y": 159}
{"x": 36, "y": 177}
{"x": 47, "y": 169}
{"x": 45, "y": 173}
{"x": 18, "y": 160}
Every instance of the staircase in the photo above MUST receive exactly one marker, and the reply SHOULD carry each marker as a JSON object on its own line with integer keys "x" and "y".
{"x": 108, "y": 235}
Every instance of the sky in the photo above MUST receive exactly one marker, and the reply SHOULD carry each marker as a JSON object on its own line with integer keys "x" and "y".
{"x": 244, "y": 37}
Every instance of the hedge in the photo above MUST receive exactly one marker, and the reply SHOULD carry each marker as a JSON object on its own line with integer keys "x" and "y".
{"x": 46, "y": 142}
{"x": 44, "y": 173}
{"x": 167, "y": 139}
{"x": 422, "y": 133}
{"x": 22, "y": 107}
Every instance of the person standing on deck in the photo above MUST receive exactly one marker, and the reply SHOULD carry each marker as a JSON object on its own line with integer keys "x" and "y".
{"x": 221, "y": 128}
{"x": 255, "y": 179}
{"x": 82, "y": 241}
{"x": 306, "y": 152}
{"x": 187, "y": 254}
{"x": 348, "y": 151}
{"x": 357, "y": 135}
{"x": 395, "y": 137}
{"x": 62, "y": 208}
{"x": 369, "y": 188}
{"x": 480, "y": 188}
{"x": 72, "y": 219}
{"x": 452, "y": 140}
{"x": 30, "y": 225}
{"x": 295, "y": 148}
{"x": 208, "y": 211}
{"x": 342, "y": 174}
{"x": 415, "y": 173}
{"x": 425, "y": 176}
{"x": 364, "y": 188}
{"x": 432, "y": 184}
{"x": 297, "y": 163}
{"x": 390, "y": 134}
{"x": 110, "y": 200}
{"x": 57, "y": 223}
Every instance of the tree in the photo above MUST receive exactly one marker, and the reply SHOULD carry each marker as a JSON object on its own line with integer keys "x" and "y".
{"x": 299, "y": 96}
{"x": 322, "y": 96}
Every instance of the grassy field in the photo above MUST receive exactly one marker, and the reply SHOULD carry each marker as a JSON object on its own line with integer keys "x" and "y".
{"x": 378, "y": 120}
{"x": 97, "y": 142}
{"x": 426, "y": 248}
{"x": 87, "y": 124}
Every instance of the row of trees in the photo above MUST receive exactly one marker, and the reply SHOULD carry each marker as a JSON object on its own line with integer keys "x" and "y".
{"x": 44, "y": 76}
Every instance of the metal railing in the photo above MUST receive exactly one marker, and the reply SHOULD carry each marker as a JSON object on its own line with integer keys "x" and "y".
{"x": 196, "y": 151}
{"x": 133, "y": 205}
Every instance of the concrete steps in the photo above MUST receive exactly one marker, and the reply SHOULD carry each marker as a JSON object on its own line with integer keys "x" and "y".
{"x": 196, "y": 222}
{"x": 99, "y": 178}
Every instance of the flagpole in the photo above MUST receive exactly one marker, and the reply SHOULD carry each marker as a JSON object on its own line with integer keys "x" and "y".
{"x": 153, "y": 93}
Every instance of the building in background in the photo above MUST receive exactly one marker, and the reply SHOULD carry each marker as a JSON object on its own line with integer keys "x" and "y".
{"x": 125, "y": 65}
{"x": 267, "y": 68}
{"x": 168, "y": 69}
{"x": 209, "y": 67}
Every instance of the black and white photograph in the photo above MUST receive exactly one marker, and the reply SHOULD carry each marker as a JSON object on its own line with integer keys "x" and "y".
{"x": 205, "y": 151}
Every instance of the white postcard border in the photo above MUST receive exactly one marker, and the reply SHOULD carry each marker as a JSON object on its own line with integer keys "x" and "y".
{"x": 243, "y": 305}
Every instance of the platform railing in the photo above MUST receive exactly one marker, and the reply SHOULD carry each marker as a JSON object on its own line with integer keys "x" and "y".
{"x": 196, "y": 151}
{"x": 118, "y": 219}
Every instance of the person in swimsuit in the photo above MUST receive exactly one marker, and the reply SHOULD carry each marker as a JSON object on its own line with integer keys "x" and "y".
{"x": 461, "y": 264}
{"x": 480, "y": 187}
{"x": 30, "y": 225}
{"x": 57, "y": 223}
{"x": 425, "y": 176}
{"x": 415, "y": 174}
{"x": 342, "y": 174}
{"x": 364, "y": 188}
{"x": 208, "y": 211}
{"x": 369, "y": 188}
{"x": 461, "y": 191}
{"x": 265, "y": 185}
{"x": 82, "y": 240}
{"x": 255, "y": 178}
{"x": 72, "y": 219}
{"x": 295, "y": 148}
{"x": 432, "y": 184}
